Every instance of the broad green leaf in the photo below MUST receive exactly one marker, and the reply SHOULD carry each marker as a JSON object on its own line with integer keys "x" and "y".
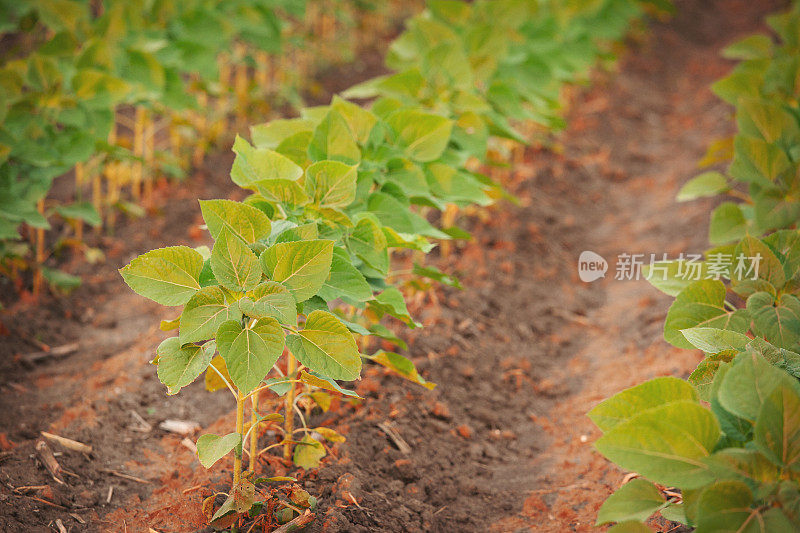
{"x": 739, "y": 464}
{"x": 244, "y": 221}
{"x": 749, "y": 275}
{"x": 82, "y": 211}
{"x": 757, "y": 161}
{"x": 322, "y": 382}
{"x": 368, "y": 243}
{"x": 358, "y": 119}
{"x": 234, "y": 264}
{"x": 706, "y": 184}
{"x": 211, "y": 448}
{"x": 713, "y": 340}
{"x": 401, "y": 365}
{"x": 282, "y": 190}
{"x": 777, "y": 429}
{"x": 169, "y": 276}
{"x": 666, "y": 444}
{"x": 728, "y": 224}
{"x": 651, "y": 394}
{"x": 701, "y": 304}
{"x": 751, "y": 47}
{"x": 204, "y": 313}
{"x": 344, "y": 281}
{"x": 178, "y": 365}
{"x": 302, "y": 266}
{"x": 630, "y": 527}
{"x": 273, "y": 133}
{"x": 745, "y": 387}
{"x": 424, "y": 136}
{"x": 326, "y": 346}
{"x": 308, "y": 453}
{"x": 250, "y": 353}
{"x": 780, "y": 357}
{"x": 331, "y": 183}
{"x": 671, "y": 277}
{"x": 703, "y": 376}
{"x": 60, "y": 280}
{"x": 270, "y": 299}
{"x": 725, "y": 507}
{"x": 778, "y": 322}
{"x": 636, "y": 500}
{"x": 256, "y": 164}
{"x": 391, "y": 301}
{"x": 333, "y": 140}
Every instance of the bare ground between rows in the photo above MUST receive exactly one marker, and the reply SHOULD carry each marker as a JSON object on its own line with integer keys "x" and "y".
{"x": 520, "y": 355}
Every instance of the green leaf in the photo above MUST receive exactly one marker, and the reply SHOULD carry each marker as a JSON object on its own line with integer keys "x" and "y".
{"x": 308, "y": 453}
{"x": 739, "y": 464}
{"x": 256, "y": 164}
{"x": 270, "y": 299}
{"x": 713, "y": 340}
{"x": 326, "y": 346}
{"x": 204, "y": 313}
{"x": 358, "y": 119}
{"x": 283, "y": 191}
{"x": 169, "y": 276}
{"x": 82, "y": 211}
{"x": 745, "y": 387}
{"x": 302, "y": 266}
{"x": 651, "y": 394}
{"x": 242, "y": 220}
{"x": 401, "y": 365}
{"x": 728, "y": 224}
{"x": 701, "y": 303}
{"x": 725, "y": 506}
{"x": 751, "y": 47}
{"x": 368, "y": 243}
{"x": 211, "y": 448}
{"x": 331, "y": 183}
{"x": 333, "y": 140}
{"x": 666, "y": 444}
{"x": 702, "y": 186}
{"x": 671, "y": 277}
{"x": 323, "y": 382}
{"x": 344, "y": 281}
{"x": 234, "y": 264}
{"x": 391, "y": 301}
{"x": 60, "y": 280}
{"x": 250, "y": 353}
{"x": 778, "y": 322}
{"x": 777, "y": 429}
{"x": 770, "y": 274}
{"x": 178, "y": 365}
{"x": 636, "y": 500}
{"x": 424, "y": 136}
{"x": 273, "y": 133}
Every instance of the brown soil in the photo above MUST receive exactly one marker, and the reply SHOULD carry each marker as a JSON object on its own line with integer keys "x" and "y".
{"x": 520, "y": 355}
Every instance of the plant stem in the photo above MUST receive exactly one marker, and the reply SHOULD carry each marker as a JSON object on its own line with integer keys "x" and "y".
{"x": 291, "y": 367}
{"x": 253, "y": 433}
{"x": 237, "y": 457}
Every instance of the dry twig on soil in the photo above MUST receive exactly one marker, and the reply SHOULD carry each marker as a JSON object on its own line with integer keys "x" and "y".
{"x": 47, "y": 458}
{"x": 68, "y": 443}
{"x": 390, "y": 430}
